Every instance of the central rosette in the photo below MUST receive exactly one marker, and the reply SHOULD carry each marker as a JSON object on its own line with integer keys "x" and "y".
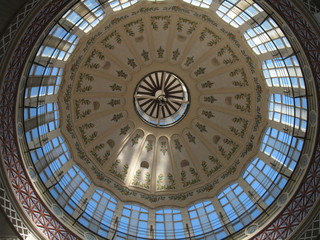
{"x": 161, "y": 99}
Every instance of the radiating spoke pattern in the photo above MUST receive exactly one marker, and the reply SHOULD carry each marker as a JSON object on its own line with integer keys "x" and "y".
{"x": 161, "y": 99}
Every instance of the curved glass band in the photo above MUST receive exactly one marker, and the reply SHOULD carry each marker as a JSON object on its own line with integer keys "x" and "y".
{"x": 238, "y": 208}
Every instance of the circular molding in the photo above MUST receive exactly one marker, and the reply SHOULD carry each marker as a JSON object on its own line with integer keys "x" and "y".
{"x": 20, "y": 130}
{"x": 32, "y": 173}
{"x": 313, "y": 117}
{"x": 161, "y": 99}
{"x": 89, "y": 236}
{"x": 57, "y": 210}
{"x": 251, "y": 229}
{"x": 283, "y": 199}
{"x": 304, "y": 160}
{"x": 307, "y": 73}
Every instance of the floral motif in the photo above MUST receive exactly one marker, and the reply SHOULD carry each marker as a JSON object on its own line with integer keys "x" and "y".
{"x": 248, "y": 147}
{"x": 114, "y": 102}
{"x": 201, "y": 127}
{"x": 227, "y": 49}
{"x": 163, "y": 147}
{"x": 160, "y": 52}
{"x": 115, "y": 87}
{"x": 122, "y": 74}
{"x": 181, "y": 197}
{"x": 91, "y": 41}
{"x": 210, "y": 99}
{"x": 200, "y": 71}
{"x": 137, "y": 179}
{"x": 247, "y": 98}
{"x": 135, "y": 139}
{"x": 124, "y": 130}
{"x": 69, "y": 126}
{"x": 215, "y": 168}
{"x": 207, "y": 114}
{"x": 207, "y": 84}
{"x": 215, "y": 38}
{"x": 105, "y": 42}
{"x": 132, "y": 63}
{"x": 97, "y": 149}
{"x": 153, "y": 198}
{"x": 128, "y": 27}
{"x": 149, "y": 145}
{"x": 74, "y": 68}
{"x": 249, "y": 61}
{"x": 239, "y": 132}
{"x": 175, "y": 54}
{"x": 67, "y": 96}
{"x": 160, "y": 182}
{"x": 231, "y": 170}
{"x": 121, "y": 175}
{"x": 83, "y": 128}
{"x": 194, "y": 174}
{"x": 189, "y": 61}
{"x": 124, "y": 191}
{"x": 117, "y": 117}
{"x": 243, "y": 75}
{"x": 145, "y": 10}
{"x": 231, "y": 36}
{"x": 145, "y": 55}
{"x": 231, "y": 143}
{"x": 182, "y": 21}
{"x": 83, "y": 77}
{"x": 191, "y": 138}
{"x": 209, "y": 187}
{"x": 257, "y": 119}
{"x": 177, "y": 145}
{"x": 81, "y": 114}
{"x": 166, "y": 23}
{"x": 94, "y": 53}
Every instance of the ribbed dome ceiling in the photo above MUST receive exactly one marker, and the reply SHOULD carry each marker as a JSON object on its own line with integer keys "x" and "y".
{"x": 191, "y": 159}
{"x": 165, "y": 120}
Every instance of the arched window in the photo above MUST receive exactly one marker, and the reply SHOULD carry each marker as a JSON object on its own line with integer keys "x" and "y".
{"x": 266, "y": 37}
{"x": 169, "y": 224}
{"x": 264, "y": 180}
{"x": 282, "y": 147}
{"x": 117, "y": 5}
{"x": 283, "y": 73}
{"x": 237, "y": 205}
{"x": 84, "y": 16}
{"x": 204, "y": 219}
{"x": 70, "y": 189}
{"x": 237, "y": 12}
{"x": 289, "y": 111}
{"x": 133, "y": 222}
{"x": 42, "y": 81}
{"x": 200, "y": 3}
{"x": 50, "y": 158}
{"x": 99, "y": 212}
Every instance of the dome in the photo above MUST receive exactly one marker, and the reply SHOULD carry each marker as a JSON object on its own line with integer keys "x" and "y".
{"x": 166, "y": 119}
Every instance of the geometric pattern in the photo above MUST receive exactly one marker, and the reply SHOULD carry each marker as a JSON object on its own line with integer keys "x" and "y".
{"x": 311, "y": 6}
{"x": 11, "y": 213}
{"x": 287, "y": 221}
{"x": 306, "y": 197}
{"x": 20, "y": 183}
{"x": 313, "y": 230}
{"x": 14, "y": 26}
